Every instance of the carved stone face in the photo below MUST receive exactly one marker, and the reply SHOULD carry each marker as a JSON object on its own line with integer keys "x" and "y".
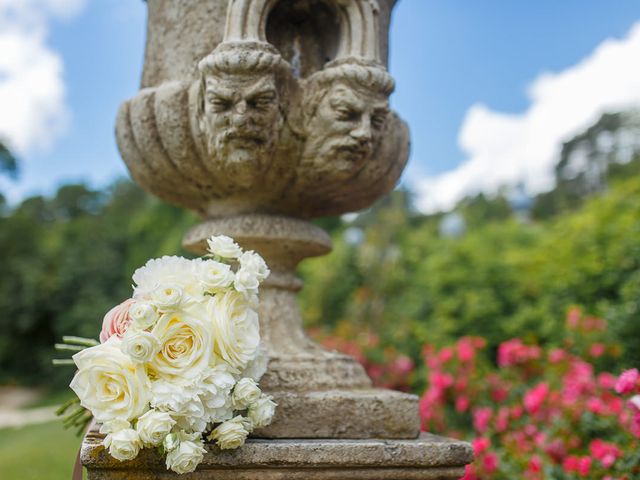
{"x": 242, "y": 120}
{"x": 345, "y": 129}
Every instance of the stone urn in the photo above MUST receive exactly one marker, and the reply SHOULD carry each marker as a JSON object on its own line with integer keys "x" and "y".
{"x": 260, "y": 115}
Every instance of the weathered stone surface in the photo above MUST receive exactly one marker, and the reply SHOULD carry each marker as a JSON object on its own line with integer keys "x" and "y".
{"x": 426, "y": 458}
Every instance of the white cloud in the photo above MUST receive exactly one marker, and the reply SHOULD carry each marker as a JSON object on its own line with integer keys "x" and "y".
{"x": 32, "y": 89}
{"x": 504, "y": 149}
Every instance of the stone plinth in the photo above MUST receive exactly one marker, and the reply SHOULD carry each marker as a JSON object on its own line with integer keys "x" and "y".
{"x": 427, "y": 458}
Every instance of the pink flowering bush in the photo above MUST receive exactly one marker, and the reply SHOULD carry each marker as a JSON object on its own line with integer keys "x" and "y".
{"x": 530, "y": 411}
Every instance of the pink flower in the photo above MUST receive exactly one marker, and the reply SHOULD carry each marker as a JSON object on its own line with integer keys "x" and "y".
{"x": 490, "y": 462}
{"x": 535, "y": 464}
{"x": 462, "y": 404}
{"x": 440, "y": 380}
{"x": 403, "y": 365}
{"x": 502, "y": 419}
{"x": 606, "y": 380}
{"x": 579, "y": 465}
{"x": 514, "y": 352}
{"x": 557, "y": 355}
{"x": 597, "y": 350}
{"x": 481, "y": 417}
{"x": 466, "y": 350}
{"x": 445, "y": 354}
{"x": 535, "y": 397}
{"x": 116, "y": 321}
{"x": 480, "y": 445}
{"x": 627, "y": 381}
{"x": 584, "y": 465}
{"x": 606, "y": 453}
{"x": 469, "y": 473}
{"x": 597, "y": 406}
{"x": 556, "y": 450}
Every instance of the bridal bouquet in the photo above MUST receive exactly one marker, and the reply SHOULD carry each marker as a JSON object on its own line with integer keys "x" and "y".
{"x": 179, "y": 362}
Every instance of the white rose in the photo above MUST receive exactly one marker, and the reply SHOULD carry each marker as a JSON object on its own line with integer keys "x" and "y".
{"x": 186, "y": 457}
{"x": 178, "y": 271}
{"x": 253, "y": 262}
{"x": 142, "y": 315}
{"x": 124, "y": 444}
{"x": 140, "y": 346}
{"x": 185, "y": 339}
{"x": 246, "y": 282}
{"x": 224, "y": 247}
{"x": 215, "y": 276}
{"x": 154, "y": 426}
{"x": 245, "y": 393}
{"x": 230, "y": 434}
{"x": 261, "y": 411}
{"x": 109, "y": 384}
{"x": 236, "y": 330}
{"x": 167, "y": 297}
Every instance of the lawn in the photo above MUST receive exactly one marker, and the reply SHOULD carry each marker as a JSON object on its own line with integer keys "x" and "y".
{"x": 38, "y": 452}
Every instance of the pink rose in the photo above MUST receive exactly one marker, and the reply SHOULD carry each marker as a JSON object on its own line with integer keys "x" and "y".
{"x": 627, "y": 381}
{"x": 535, "y": 397}
{"x": 116, "y": 320}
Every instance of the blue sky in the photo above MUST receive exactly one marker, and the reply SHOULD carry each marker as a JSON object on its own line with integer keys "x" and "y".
{"x": 458, "y": 65}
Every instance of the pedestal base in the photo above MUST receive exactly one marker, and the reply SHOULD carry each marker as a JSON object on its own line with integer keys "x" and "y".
{"x": 427, "y": 458}
{"x": 366, "y": 413}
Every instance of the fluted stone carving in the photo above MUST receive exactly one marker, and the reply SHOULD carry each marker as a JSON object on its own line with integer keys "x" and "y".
{"x": 245, "y": 133}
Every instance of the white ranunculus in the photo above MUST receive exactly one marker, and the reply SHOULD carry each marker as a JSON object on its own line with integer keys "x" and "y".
{"x": 183, "y": 401}
{"x": 141, "y": 346}
{"x": 251, "y": 261}
{"x": 236, "y": 330}
{"x": 215, "y": 276}
{"x": 177, "y": 271}
{"x": 193, "y": 416}
{"x": 257, "y": 367}
{"x": 185, "y": 339}
{"x": 154, "y": 426}
{"x": 216, "y": 384}
{"x": 143, "y": 315}
{"x": 109, "y": 384}
{"x": 167, "y": 297}
{"x": 223, "y": 246}
{"x": 245, "y": 393}
{"x": 261, "y": 411}
{"x": 168, "y": 396}
{"x": 123, "y": 444}
{"x": 186, "y": 457}
{"x": 230, "y": 434}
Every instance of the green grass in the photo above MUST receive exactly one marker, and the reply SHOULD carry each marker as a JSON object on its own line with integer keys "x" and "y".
{"x": 38, "y": 452}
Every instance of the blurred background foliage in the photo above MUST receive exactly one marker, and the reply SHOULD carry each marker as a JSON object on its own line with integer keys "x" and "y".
{"x": 496, "y": 266}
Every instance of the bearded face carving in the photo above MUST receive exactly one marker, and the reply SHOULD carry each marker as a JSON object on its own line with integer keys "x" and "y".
{"x": 242, "y": 120}
{"x": 345, "y": 129}
{"x": 241, "y": 114}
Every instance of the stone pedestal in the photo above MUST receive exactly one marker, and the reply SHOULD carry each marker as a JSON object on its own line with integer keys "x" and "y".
{"x": 320, "y": 393}
{"x": 260, "y": 115}
{"x": 427, "y": 458}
